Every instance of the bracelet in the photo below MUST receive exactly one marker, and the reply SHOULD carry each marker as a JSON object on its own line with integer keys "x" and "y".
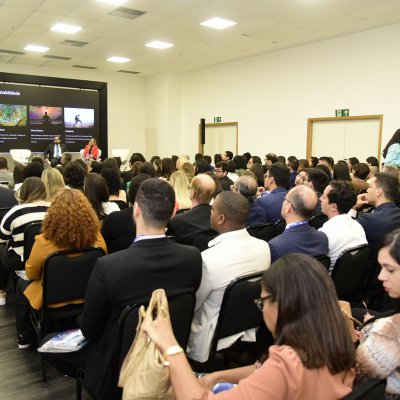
{"x": 171, "y": 351}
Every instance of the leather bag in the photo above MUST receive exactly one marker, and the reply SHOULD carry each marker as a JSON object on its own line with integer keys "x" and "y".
{"x": 143, "y": 374}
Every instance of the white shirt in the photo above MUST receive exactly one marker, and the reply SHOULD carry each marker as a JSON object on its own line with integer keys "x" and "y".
{"x": 233, "y": 254}
{"x": 110, "y": 206}
{"x": 343, "y": 233}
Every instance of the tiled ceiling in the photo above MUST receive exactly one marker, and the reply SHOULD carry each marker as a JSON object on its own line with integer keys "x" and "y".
{"x": 262, "y": 26}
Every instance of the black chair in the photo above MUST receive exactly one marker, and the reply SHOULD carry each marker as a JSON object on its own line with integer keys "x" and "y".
{"x": 30, "y": 232}
{"x": 316, "y": 221}
{"x": 373, "y": 389}
{"x": 65, "y": 277}
{"x": 201, "y": 239}
{"x": 238, "y": 311}
{"x": 324, "y": 260}
{"x": 349, "y": 271}
{"x": 264, "y": 232}
{"x": 181, "y": 309}
{"x": 280, "y": 227}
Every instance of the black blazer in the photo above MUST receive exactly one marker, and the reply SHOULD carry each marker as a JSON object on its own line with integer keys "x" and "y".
{"x": 129, "y": 277}
{"x": 50, "y": 150}
{"x": 182, "y": 226}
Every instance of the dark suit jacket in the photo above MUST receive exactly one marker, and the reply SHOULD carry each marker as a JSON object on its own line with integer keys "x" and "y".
{"x": 299, "y": 239}
{"x": 118, "y": 230}
{"x": 182, "y": 226}
{"x": 50, "y": 150}
{"x": 272, "y": 204}
{"x": 129, "y": 277}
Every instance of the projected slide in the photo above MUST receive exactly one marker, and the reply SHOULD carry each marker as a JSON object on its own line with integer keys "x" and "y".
{"x": 79, "y": 117}
{"x": 13, "y": 115}
{"x": 44, "y": 115}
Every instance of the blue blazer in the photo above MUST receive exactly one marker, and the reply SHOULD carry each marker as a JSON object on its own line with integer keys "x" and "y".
{"x": 272, "y": 204}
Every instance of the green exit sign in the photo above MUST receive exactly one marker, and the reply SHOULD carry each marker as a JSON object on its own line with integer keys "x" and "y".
{"x": 345, "y": 112}
{"x": 217, "y": 119}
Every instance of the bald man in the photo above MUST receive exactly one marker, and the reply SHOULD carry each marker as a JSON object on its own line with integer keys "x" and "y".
{"x": 298, "y": 237}
{"x": 183, "y": 226}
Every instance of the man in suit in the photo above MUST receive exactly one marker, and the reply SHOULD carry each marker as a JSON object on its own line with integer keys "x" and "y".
{"x": 299, "y": 237}
{"x": 54, "y": 151}
{"x": 221, "y": 171}
{"x": 130, "y": 276}
{"x": 276, "y": 179}
{"x": 183, "y": 226}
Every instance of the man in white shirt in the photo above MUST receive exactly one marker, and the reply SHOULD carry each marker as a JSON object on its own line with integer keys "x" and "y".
{"x": 232, "y": 254}
{"x": 343, "y": 232}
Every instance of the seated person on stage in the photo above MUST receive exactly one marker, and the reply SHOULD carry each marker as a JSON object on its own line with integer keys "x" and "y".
{"x": 91, "y": 151}
{"x": 247, "y": 186}
{"x": 232, "y": 254}
{"x": 62, "y": 230}
{"x": 313, "y": 355}
{"x": 276, "y": 179}
{"x": 343, "y": 232}
{"x": 299, "y": 237}
{"x": 183, "y": 226}
{"x": 118, "y": 228}
{"x": 33, "y": 207}
{"x": 54, "y": 151}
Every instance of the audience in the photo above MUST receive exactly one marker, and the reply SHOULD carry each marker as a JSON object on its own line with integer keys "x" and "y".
{"x": 180, "y": 184}
{"x": 221, "y": 171}
{"x": 298, "y": 237}
{"x": 53, "y": 182}
{"x": 312, "y": 357}
{"x": 360, "y": 174}
{"x": 113, "y": 181}
{"x": 5, "y": 176}
{"x": 223, "y": 262}
{"x": 74, "y": 175}
{"x": 61, "y": 230}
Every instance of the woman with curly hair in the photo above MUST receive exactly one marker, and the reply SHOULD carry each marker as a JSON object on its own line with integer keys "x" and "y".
{"x": 62, "y": 230}
{"x": 53, "y": 181}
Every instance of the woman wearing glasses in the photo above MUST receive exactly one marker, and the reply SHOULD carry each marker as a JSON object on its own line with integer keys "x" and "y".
{"x": 313, "y": 354}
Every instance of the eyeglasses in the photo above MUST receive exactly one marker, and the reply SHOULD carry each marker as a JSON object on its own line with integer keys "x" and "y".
{"x": 260, "y": 302}
{"x": 285, "y": 198}
{"x": 218, "y": 170}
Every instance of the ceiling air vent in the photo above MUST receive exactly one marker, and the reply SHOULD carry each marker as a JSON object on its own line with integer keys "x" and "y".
{"x": 57, "y": 57}
{"x": 124, "y": 12}
{"x": 125, "y": 71}
{"x": 74, "y": 43}
{"x": 16, "y": 53}
{"x": 84, "y": 67}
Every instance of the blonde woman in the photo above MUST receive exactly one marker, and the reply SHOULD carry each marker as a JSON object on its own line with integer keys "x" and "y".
{"x": 180, "y": 183}
{"x": 188, "y": 169}
{"x": 180, "y": 161}
{"x": 53, "y": 181}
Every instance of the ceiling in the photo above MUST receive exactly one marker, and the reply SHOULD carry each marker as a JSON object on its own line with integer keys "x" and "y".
{"x": 262, "y": 26}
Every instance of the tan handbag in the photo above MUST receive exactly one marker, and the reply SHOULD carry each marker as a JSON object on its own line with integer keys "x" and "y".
{"x": 143, "y": 374}
{"x": 346, "y": 310}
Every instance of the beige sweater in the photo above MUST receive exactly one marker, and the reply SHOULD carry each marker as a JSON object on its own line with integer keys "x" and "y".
{"x": 378, "y": 355}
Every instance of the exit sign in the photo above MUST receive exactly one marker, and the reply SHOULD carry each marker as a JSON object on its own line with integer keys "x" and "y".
{"x": 345, "y": 112}
{"x": 217, "y": 119}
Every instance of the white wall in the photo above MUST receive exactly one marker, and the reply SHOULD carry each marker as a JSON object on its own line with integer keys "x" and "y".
{"x": 272, "y": 95}
{"x": 126, "y": 102}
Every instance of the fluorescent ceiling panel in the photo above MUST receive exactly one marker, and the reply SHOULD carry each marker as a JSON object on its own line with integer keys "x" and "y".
{"x": 218, "y": 23}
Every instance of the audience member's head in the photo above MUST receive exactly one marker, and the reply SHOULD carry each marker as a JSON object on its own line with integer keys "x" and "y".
{"x": 317, "y": 180}
{"x": 154, "y": 158}
{"x": 167, "y": 167}
{"x": 154, "y": 204}
{"x": 148, "y": 169}
{"x": 341, "y": 172}
{"x": 391, "y": 169}
{"x": 202, "y": 166}
{"x": 136, "y": 167}
{"x": 110, "y": 162}
{"x": 97, "y": 193}
{"x": 327, "y": 161}
{"x": 229, "y": 212}
{"x": 66, "y": 158}
{"x": 301, "y": 177}
{"x": 39, "y": 160}
{"x": 361, "y": 171}
{"x": 313, "y": 162}
{"x": 74, "y": 175}
{"x": 70, "y": 210}
{"x": 231, "y": 166}
{"x": 247, "y": 156}
{"x": 139, "y": 157}
{"x": 217, "y": 158}
{"x": 299, "y": 204}
{"x": 3, "y": 163}
{"x": 112, "y": 179}
{"x": 53, "y": 181}
{"x": 179, "y": 162}
{"x": 134, "y": 186}
{"x": 276, "y": 176}
{"x": 202, "y": 189}
{"x": 352, "y": 162}
{"x": 207, "y": 158}
{"x": 180, "y": 184}
{"x": 338, "y": 198}
{"x": 95, "y": 166}
{"x": 258, "y": 171}
{"x": 240, "y": 162}
{"x": 228, "y": 155}
{"x": 293, "y": 165}
{"x": 281, "y": 160}
{"x": 81, "y": 163}
{"x": 383, "y": 187}
{"x": 118, "y": 160}
{"x": 270, "y": 158}
{"x": 303, "y": 164}
{"x": 18, "y": 173}
{"x": 247, "y": 186}
{"x": 32, "y": 190}
{"x": 253, "y": 160}
{"x": 33, "y": 169}
{"x": 188, "y": 169}
{"x": 372, "y": 162}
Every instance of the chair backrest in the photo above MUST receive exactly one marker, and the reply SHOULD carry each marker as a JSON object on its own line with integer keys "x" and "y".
{"x": 20, "y": 155}
{"x": 280, "y": 227}
{"x": 66, "y": 274}
{"x": 373, "y": 389}
{"x": 316, "y": 221}
{"x": 201, "y": 239}
{"x": 238, "y": 311}
{"x": 349, "y": 271}
{"x": 264, "y": 232}
{"x": 181, "y": 309}
{"x": 30, "y": 232}
{"x": 324, "y": 260}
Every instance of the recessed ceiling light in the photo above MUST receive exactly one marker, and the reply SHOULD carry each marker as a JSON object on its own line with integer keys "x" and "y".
{"x": 33, "y": 47}
{"x": 114, "y": 2}
{"x": 159, "y": 45}
{"x": 65, "y": 28}
{"x": 118, "y": 59}
{"x": 218, "y": 23}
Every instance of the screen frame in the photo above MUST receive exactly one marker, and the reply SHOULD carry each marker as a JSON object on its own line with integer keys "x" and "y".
{"x": 101, "y": 87}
